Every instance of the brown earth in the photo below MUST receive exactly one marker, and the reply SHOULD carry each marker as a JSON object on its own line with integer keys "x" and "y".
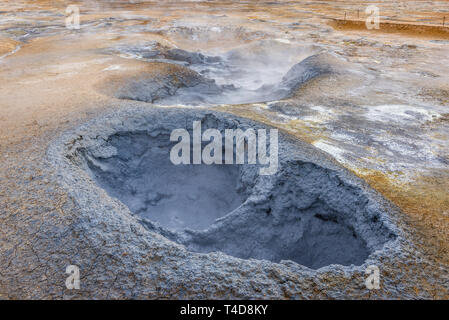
{"x": 406, "y": 29}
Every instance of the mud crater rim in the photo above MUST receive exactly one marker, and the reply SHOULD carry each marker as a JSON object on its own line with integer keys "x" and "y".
{"x": 306, "y": 213}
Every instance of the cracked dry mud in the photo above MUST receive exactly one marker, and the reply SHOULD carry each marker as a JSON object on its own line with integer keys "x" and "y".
{"x": 85, "y": 177}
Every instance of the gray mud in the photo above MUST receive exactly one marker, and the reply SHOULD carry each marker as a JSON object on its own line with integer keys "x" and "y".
{"x": 141, "y": 175}
{"x": 150, "y": 88}
{"x": 311, "y": 211}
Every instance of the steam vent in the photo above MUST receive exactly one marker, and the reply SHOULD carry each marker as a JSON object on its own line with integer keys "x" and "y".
{"x": 223, "y": 150}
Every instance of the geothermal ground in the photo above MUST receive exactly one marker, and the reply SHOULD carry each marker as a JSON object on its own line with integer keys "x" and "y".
{"x": 363, "y": 176}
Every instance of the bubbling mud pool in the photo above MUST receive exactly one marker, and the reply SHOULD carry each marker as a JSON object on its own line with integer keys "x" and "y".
{"x": 311, "y": 211}
{"x": 256, "y": 72}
